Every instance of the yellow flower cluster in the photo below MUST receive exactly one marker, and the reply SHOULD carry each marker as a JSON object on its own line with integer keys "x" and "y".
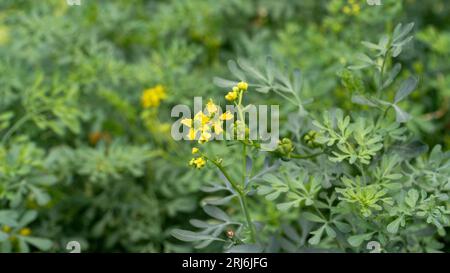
{"x": 203, "y": 123}
{"x": 352, "y": 8}
{"x": 234, "y": 93}
{"x": 152, "y": 97}
{"x": 198, "y": 162}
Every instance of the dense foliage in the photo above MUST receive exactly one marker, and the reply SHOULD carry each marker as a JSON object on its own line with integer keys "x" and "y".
{"x": 87, "y": 155}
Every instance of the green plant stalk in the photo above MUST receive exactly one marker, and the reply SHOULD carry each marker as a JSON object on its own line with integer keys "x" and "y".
{"x": 248, "y": 218}
{"x": 244, "y": 165}
{"x": 297, "y": 156}
{"x": 361, "y": 170}
{"x": 286, "y": 97}
{"x": 242, "y": 199}
{"x": 383, "y": 115}
{"x": 383, "y": 66}
{"x": 21, "y": 122}
{"x": 15, "y": 127}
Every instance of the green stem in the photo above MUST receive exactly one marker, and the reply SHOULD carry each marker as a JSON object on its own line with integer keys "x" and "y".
{"x": 240, "y": 96}
{"x": 304, "y": 156}
{"x": 235, "y": 186}
{"x": 383, "y": 66}
{"x": 242, "y": 198}
{"x": 15, "y": 127}
{"x": 248, "y": 218}
{"x": 361, "y": 169}
{"x": 382, "y": 116}
{"x": 244, "y": 165}
{"x": 320, "y": 213}
{"x": 286, "y": 97}
{"x": 20, "y": 122}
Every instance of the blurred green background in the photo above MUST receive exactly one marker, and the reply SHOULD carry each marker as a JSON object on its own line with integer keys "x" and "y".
{"x": 80, "y": 157}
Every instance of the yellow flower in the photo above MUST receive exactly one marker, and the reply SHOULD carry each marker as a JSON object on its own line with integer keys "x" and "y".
{"x": 217, "y": 127}
{"x": 202, "y": 126}
{"x": 211, "y": 107}
{"x": 198, "y": 162}
{"x": 152, "y": 97}
{"x": 231, "y": 96}
{"x": 204, "y": 137}
{"x": 187, "y": 122}
{"x": 191, "y": 134}
{"x": 242, "y": 86}
{"x": 25, "y": 231}
{"x": 195, "y": 150}
{"x": 6, "y": 229}
{"x": 202, "y": 118}
{"x": 226, "y": 116}
{"x": 356, "y": 9}
{"x": 199, "y": 123}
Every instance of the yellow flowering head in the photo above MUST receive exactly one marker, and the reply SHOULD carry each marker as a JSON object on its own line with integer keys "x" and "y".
{"x": 226, "y": 116}
{"x": 187, "y": 121}
{"x": 195, "y": 150}
{"x": 200, "y": 123}
{"x": 198, "y": 162}
{"x": 192, "y": 134}
{"x": 205, "y": 136}
{"x": 201, "y": 118}
{"x": 202, "y": 126}
{"x": 217, "y": 127}
{"x": 25, "y": 231}
{"x": 152, "y": 97}
{"x": 231, "y": 96}
{"x": 211, "y": 107}
{"x": 242, "y": 86}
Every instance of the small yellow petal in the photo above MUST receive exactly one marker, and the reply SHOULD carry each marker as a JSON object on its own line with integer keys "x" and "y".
{"x": 204, "y": 137}
{"x": 226, "y": 116}
{"x": 191, "y": 134}
{"x": 202, "y": 118}
{"x": 195, "y": 150}
{"x": 231, "y": 96}
{"x": 211, "y": 107}
{"x": 152, "y": 97}
{"x": 218, "y": 127}
{"x": 187, "y": 122}
{"x": 198, "y": 162}
{"x": 242, "y": 86}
